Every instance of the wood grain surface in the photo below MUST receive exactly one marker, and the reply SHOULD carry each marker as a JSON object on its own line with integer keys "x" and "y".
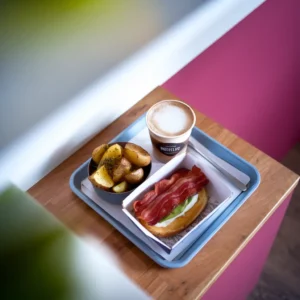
{"x": 191, "y": 281}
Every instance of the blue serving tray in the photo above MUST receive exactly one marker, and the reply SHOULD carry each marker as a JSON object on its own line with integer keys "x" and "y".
{"x": 218, "y": 149}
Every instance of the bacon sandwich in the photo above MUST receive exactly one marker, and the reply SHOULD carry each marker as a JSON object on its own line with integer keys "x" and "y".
{"x": 174, "y": 203}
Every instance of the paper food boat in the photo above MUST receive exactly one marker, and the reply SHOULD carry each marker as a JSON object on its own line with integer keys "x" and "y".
{"x": 220, "y": 192}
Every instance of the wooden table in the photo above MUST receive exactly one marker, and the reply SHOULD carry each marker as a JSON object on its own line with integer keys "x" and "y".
{"x": 193, "y": 280}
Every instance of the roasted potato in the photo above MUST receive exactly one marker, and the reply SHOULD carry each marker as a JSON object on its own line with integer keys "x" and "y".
{"x": 121, "y": 169}
{"x": 137, "y": 155}
{"x": 121, "y": 187}
{"x": 101, "y": 178}
{"x": 111, "y": 157}
{"x": 98, "y": 153}
{"x": 135, "y": 177}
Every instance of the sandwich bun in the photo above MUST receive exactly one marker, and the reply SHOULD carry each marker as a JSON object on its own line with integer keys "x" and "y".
{"x": 181, "y": 222}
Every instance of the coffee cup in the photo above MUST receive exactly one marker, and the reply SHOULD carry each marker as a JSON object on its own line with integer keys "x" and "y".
{"x": 170, "y": 124}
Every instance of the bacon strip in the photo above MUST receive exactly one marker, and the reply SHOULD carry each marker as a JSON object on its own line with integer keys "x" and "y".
{"x": 166, "y": 202}
{"x": 159, "y": 188}
{"x": 186, "y": 184}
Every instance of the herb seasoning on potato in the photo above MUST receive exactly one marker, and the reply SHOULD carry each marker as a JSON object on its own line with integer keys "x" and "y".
{"x": 119, "y": 168}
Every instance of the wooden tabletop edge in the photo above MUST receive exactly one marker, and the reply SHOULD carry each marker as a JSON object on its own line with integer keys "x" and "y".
{"x": 249, "y": 237}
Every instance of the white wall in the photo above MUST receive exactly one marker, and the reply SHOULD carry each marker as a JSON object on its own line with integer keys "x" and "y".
{"x": 57, "y": 136}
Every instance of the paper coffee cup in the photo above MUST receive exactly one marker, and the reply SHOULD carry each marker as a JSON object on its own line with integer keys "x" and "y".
{"x": 170, "y": 124}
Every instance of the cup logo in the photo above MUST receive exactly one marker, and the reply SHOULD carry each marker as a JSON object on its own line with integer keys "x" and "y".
{"x": 170, "y": 149}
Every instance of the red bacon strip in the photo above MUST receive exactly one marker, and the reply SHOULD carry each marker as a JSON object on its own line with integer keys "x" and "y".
{"x": 186, "y": 184}
{"x": 169, "y": 200}
{"x": 159, "y": 188}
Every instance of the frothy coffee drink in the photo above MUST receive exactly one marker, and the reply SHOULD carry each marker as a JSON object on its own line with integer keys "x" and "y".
{"x": 170, "y": 118}
{"x": 170, "y": 123}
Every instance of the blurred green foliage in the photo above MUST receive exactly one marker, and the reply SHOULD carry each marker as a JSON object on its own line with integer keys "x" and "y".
{"x": 33, "y": 23}
{"x": 34, "y": 250}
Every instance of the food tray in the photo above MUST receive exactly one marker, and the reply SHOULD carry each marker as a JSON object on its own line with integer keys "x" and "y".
{"x": 184, "y": 257}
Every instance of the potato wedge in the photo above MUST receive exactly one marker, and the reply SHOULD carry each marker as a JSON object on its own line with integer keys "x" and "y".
{"x": 101, "y": 179}
{"x": 111, "y": 157}
{"x": 98, "y": 153}
{"x": 121, "y": 187}
{"x": 121, "y": 169}
{"x": 135, "y": 177}
{"x": 137, "y": 155}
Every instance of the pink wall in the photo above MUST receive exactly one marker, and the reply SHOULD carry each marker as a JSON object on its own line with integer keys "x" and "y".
{"x": 247, "y": 81}
{"x": 241, "y": 276}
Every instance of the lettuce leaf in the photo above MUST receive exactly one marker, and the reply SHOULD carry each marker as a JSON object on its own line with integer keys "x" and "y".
{"x": 177, "y": 210}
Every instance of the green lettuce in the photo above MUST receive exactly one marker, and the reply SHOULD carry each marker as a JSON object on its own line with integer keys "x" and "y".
{"x": 177, "y": 210}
